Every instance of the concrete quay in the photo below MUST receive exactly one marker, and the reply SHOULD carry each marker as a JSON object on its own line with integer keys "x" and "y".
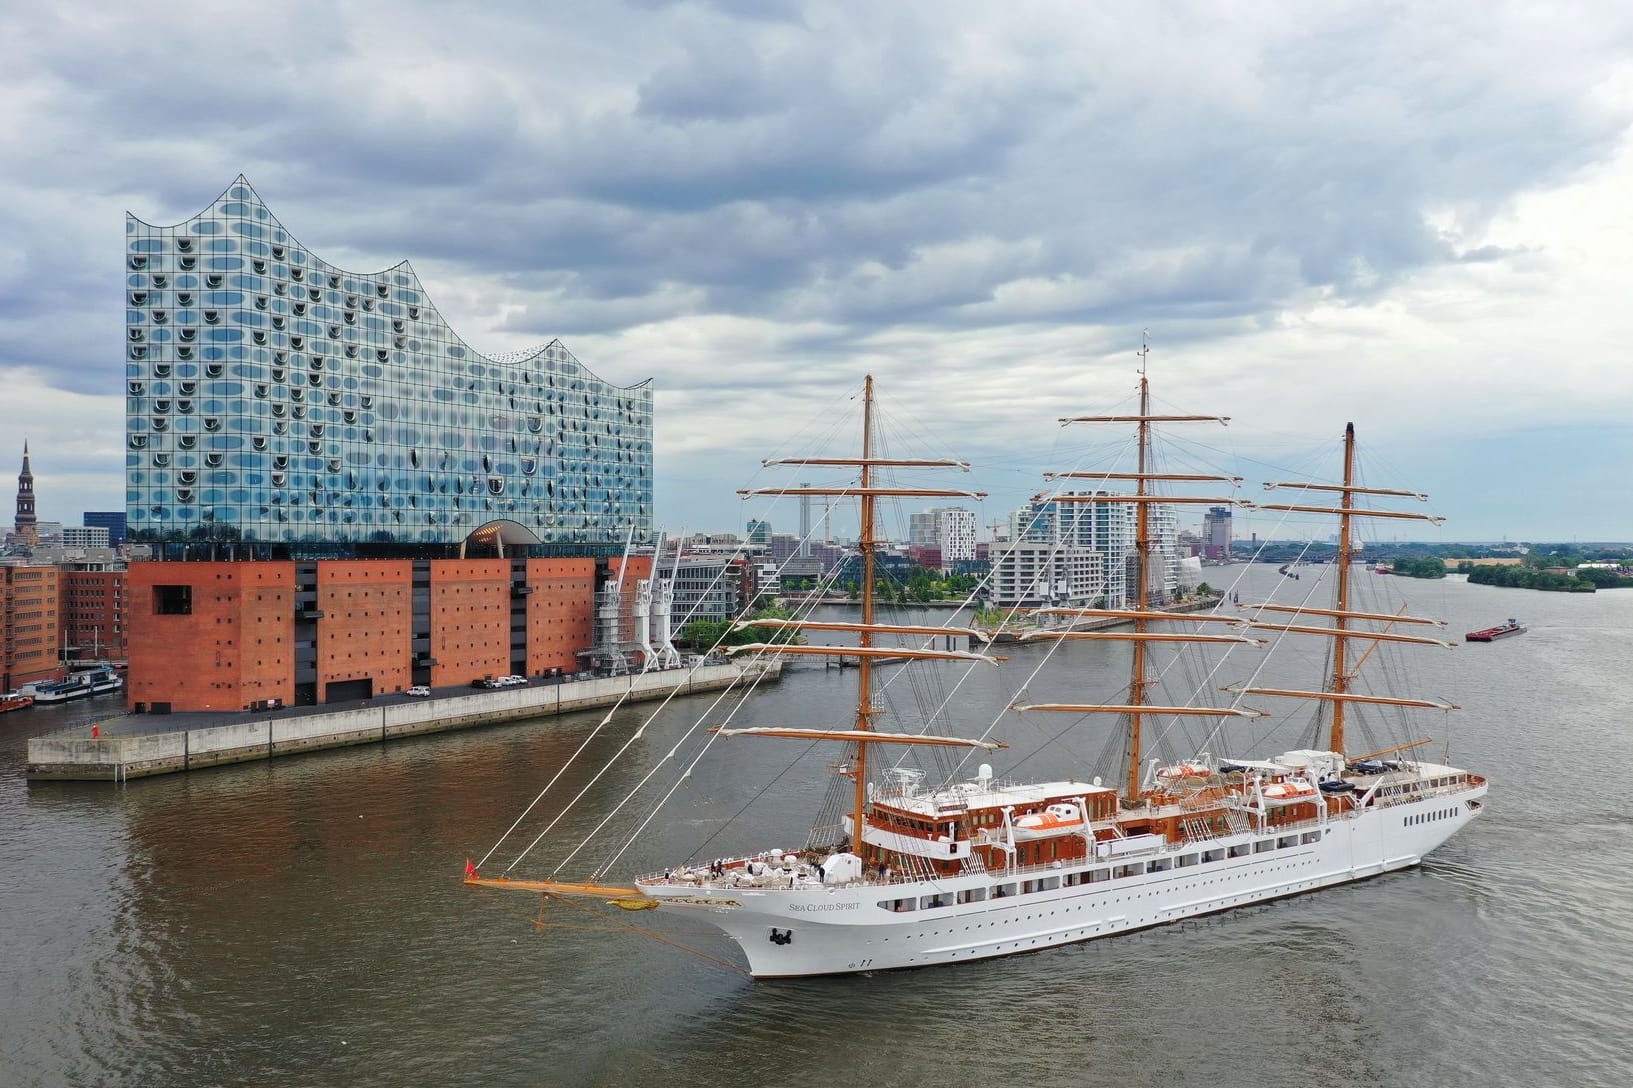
{"x": 141, "y": 745}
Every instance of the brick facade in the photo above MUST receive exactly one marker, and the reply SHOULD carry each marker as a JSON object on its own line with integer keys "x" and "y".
{"x": 220, "y": 636}
{"x": 30, "y": 634}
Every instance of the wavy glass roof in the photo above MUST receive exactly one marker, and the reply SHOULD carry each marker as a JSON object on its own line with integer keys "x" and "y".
{"x": 272, "y": 396}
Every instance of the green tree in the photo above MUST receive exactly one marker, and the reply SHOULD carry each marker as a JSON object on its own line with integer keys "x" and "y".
{"x": 1424, "y": 566}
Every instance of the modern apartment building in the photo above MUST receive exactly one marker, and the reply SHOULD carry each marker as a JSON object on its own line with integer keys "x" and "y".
{"x": 86, "y": 536}
{"x": 1108, "y": 530}
{"x": 951, "y": 529}
{"x": 1031, "y": 574}
{"x": 1216, "y": 534}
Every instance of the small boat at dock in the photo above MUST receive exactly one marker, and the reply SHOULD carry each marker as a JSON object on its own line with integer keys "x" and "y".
{"x": 79, "y": 686}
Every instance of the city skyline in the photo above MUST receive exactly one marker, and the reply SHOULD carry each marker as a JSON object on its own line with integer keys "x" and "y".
{"x": 1406, "y": 218}
{"x": 986, "y": 531}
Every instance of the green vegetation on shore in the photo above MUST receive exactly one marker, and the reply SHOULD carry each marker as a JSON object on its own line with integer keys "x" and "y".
{"x": 1527, "y": 577}
{"x": 702, "y": 635}
{"x": 1427, "y": 566}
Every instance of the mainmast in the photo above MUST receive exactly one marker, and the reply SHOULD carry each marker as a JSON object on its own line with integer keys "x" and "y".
{"x": 1139, "y": 706}
{"x": 864, "y": 639}
{"x": 1142, "y": 601}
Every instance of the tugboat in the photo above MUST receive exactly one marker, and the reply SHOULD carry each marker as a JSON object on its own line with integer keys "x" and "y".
{"x": 1491, "y": 634}
{"x": 15, "y": 700}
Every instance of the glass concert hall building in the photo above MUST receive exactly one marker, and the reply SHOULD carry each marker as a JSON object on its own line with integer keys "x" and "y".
{"x": 361, "y": 502}
{"x": 277, "y": 401}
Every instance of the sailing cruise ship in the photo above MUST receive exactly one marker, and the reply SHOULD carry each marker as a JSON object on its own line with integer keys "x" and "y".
{"x": 920, "y": 871}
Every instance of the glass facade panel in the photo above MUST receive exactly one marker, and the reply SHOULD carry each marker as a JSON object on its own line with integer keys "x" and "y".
{"x": 532, "y": 437}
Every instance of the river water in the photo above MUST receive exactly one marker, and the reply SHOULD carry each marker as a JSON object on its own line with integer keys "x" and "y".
{"x": 302, "y": 922}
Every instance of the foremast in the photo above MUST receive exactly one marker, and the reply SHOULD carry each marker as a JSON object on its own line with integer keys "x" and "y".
{"x": 863, "y": 735}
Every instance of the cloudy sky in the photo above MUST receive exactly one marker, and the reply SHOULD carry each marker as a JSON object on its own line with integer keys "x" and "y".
{"x": 1411, "y": 216}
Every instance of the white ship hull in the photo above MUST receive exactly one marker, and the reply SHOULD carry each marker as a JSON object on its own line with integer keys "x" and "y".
{"x": 821, "y": 930}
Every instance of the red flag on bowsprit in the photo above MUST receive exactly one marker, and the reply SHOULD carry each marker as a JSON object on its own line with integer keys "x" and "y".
{"x": 470, "y": 868}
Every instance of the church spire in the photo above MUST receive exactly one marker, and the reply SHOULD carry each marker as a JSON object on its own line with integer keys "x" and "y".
{"x": 25, "y": 501}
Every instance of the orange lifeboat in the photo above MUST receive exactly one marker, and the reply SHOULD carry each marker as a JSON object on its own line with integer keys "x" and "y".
{"x": 1293, "y": 789}
{"x": 1058, "y": 819}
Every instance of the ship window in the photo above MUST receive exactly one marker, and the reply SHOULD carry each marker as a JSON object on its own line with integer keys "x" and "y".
{"x": 1161, "y": 865}
{"x": 1186, "y": 860}
{"x": 1134, "y": 869}
{"x": 172, "y": 600}
{"x": 1241, "y": 850}
{"x": 1264, "y": 846}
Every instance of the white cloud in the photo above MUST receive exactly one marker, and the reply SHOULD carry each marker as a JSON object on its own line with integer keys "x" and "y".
{"x": 1400, "y": 214}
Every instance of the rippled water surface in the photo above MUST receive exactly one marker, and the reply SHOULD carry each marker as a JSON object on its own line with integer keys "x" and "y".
{"x": 303, "y": 922}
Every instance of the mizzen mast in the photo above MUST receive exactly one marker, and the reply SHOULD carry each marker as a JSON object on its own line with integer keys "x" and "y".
{"x": 1140, "y": 682}
{"x": 1338, "y": 693}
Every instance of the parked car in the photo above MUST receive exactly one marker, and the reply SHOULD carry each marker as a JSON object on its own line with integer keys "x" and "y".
{"x": 418, "y": 691}
{"x": 513, "y": 680}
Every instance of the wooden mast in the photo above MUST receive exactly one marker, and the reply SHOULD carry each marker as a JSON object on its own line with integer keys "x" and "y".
{"x": 1140, "y": 683}
{"x": 866, "y": 652}
{"x": 864, "y": 685}
{"x": 1338, "y": 692}
{"x": 1142, "y": 546}
{"x": 1340, "y": 667}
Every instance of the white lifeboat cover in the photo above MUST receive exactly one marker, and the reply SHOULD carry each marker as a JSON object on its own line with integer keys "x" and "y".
{"x": 841, "y": 868}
